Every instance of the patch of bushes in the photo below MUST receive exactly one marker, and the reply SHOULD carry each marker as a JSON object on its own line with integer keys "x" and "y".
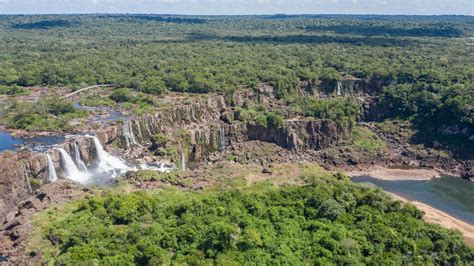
{"x": 139, "y": 102}
{"x": 341, "y": 110}
{"x": 47, "y": 114}
{"x": 331, "y": 221}
{"x": 97, "y": 101}
{"x": 260, "y": 116}
{"x": 13, "y": 90}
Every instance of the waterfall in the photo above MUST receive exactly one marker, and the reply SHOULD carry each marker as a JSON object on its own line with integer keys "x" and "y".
{"x": 52, "y": 176}
{"x": 183, "y": 162}
{"x": 222, "y": 138}
{"x": 128, "y": 134}
{"x": 339, "y": 93}
{"x": 107, "y": 162}
{"x": 77, "y": 157}
{"x": 193, "y": 115}
{"x": 28, "y": 182}
{"x": 70, "y": 169}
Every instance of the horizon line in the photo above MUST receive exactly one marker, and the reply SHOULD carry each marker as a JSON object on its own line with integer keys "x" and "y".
{"x": 236, "y": 15}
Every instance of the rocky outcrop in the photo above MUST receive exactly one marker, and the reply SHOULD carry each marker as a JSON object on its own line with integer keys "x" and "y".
{"x": 211, "y": 124}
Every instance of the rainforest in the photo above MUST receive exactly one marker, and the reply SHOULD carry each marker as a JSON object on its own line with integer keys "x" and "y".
{"x": 142, "y": 139}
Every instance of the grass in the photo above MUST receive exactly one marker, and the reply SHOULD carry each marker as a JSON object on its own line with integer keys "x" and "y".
{"x": 366, "y": 140}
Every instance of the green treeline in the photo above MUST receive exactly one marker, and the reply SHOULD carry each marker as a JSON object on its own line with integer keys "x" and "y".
{"x": 331, "y": 221}
{"x": 421, "y": 66}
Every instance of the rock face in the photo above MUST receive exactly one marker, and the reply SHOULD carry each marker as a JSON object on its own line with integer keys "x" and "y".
{"x": 198, "y": 128}
{"x": 211, "y": 126}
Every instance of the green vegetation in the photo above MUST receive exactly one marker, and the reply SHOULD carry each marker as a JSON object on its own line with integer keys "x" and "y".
{"x": 97, "y": 101}
{"x": 51, "y": 114}
{"x": 431, "y": 105}
{"x": 366, "y": 140}
{"x": 341, "y": 110}
{"x": 13, "y": 90}
{"x": 260, "y": 116}
{"x": 330, "y": 221}
{"x": 140, "y": 103}
{"x": 420, "y": 66}
{"x": 173, "y": 178}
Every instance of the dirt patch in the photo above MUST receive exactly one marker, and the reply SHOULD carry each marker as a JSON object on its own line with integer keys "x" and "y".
{"x": 384, "y": 173}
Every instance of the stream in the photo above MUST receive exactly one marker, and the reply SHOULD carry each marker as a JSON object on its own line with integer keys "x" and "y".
{"x": 452, "y": 195}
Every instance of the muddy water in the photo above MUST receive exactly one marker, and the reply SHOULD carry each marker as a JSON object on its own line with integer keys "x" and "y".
{"x": 452, "y": 195}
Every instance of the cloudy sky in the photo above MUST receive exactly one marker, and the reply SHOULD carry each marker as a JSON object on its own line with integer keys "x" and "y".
{"x": 233, "y": 7}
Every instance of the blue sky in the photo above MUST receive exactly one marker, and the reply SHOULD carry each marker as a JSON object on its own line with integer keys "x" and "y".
{"x": 234, "y": 7}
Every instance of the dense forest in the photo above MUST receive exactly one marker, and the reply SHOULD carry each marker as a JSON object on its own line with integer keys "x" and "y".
{"x": 421, "y": 67}
{"x": 303, "y": 69}
{"x": 329, "y": 221}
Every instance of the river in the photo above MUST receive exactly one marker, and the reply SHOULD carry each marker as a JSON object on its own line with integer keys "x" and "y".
{"x": 451, "y": 195}
{"x": 39, "y": 143}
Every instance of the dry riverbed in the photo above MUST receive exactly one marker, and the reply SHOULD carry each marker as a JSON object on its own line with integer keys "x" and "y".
{"x": 393, "y": 174}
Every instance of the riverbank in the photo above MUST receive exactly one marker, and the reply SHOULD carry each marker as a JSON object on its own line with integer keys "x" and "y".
{"x": 435, "y": 216}
{"x": 393, "y": 174}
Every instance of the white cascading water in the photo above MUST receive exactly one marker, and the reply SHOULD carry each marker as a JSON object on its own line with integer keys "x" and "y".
{"x": 77, "y": 157}
{"x": 193, "y": 115}
{"x": 339, "y": 89}
{"x": 128, "y": 134}
{"x": 183, "y": 162}
{"x": 222, "y": 138}
{"x": 107, "y": 162}
{"x": 52, "y": 176}
{"x": 105, "y": 168}
{"x": 70, "y": 169}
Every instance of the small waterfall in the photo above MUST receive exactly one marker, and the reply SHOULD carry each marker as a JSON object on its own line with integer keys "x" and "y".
{"x": 77, "y": 157}
{"x": 128, "y": 134}
{"x": 193, "y": 115}
{"x": 52, "y": 176}
{"x": 183, "y": 162}
{"x": 107, "y": 162}
{"x": 70, "y": 169}
{"x": 28, "y": 183}
{"x": 339, "y": 89}
{"x": 222, "y": 138}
